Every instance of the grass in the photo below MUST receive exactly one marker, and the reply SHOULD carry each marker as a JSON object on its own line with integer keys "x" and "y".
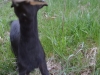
{"x": 68, "y": 30}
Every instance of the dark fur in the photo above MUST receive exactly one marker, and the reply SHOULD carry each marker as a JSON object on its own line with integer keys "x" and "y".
{"x": 25, "y": 41}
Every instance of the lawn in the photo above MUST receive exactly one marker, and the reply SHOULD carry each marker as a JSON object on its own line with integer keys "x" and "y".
{"x": 69, "y": 31}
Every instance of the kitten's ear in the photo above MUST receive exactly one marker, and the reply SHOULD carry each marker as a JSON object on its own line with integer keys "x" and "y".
{"x": 42, "y": 5}
{"x": 12, "y": 5}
